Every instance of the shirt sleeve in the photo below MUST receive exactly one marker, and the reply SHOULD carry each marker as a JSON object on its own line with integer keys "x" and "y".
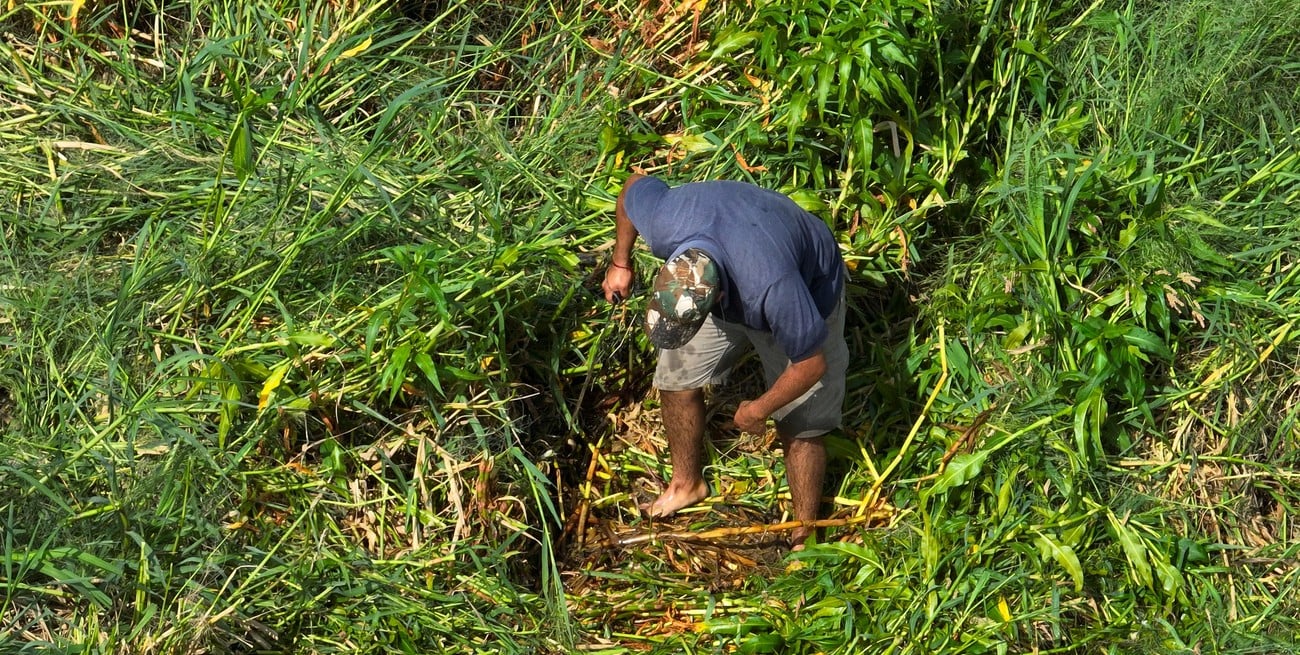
{"x": 792, "y": 315}
{"x": 639, "y": 201}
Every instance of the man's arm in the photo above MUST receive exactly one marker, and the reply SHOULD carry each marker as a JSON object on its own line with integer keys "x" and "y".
{"x": 798, "y": 378}
{"x": 618, "y": 277}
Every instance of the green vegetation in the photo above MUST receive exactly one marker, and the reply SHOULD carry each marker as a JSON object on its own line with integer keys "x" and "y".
{"x": 301, "y": 347}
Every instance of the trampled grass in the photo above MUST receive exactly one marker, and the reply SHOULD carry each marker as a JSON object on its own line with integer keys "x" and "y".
{"x": 301, "y": 347}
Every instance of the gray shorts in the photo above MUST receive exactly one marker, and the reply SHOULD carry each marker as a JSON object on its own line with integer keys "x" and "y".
{"x": 708, "y": 357}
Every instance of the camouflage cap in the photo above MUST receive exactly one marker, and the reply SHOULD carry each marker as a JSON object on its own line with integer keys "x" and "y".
{"x": 684, "y": 292}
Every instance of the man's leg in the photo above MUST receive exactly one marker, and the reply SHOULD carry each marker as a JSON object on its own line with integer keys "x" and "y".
{"x": 802, "y": 423}
{"x": 683, "y": 418}
{"x": 681, "y": 376}
{"x": 805, "y": 469}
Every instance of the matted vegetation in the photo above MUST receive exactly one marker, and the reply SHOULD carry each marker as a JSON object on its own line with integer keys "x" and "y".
{"x": 301, "y": 345}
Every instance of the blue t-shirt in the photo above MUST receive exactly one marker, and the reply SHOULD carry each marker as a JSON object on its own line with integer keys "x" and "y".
{"x": 781, "y": 269}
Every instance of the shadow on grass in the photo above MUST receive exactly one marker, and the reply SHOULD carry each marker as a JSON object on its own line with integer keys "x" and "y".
{"x": 882, "y": 400}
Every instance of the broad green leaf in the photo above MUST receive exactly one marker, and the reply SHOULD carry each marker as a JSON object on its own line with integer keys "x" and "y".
{"x": 395, "y": 372}
{"x": 332, "y": 457}
{"x": 929, "y": 544}
{"x": 864, "y": 141}
{"x": 825, "y": 78}
{"x": 99, "y": 563}
{"x": 1148, "y": 342}
{"x": 809, "y": 201}
{"x": 81, "y": 583}
{"x": 736, "y": 628}
{"x": 1028, "y": 48}
{"x": 1089, "y": 416}
{"x": 761, "y": 642}
{"x": 794, "y": 116}
{"x": 730, "y": 42}
{"x": 608, "y": 140}
{"x": 1171, "y": 580}
{"x": 1064, "y": 555}
{"x": 1005, "y": 490}
{"x": 1139, "y": 300}
{"x": 463, "y": 374}
{"x": 1191, "y": 552}
{"x": 598, "y": 203}
{"x": 845, "y": 76}
{"x": 1127, "y": 235}
{"x": 296, "y": 404}
{"x": 425, "y": 364}
{"x": 315, "y": 339}
{"x": 1201, "y": 216}
{"x": 872, "y": 87}
{"x": 564, "y": 258}
{"x": 1017, "y": 336}
{"x": 961, "y": 470}
{"x": 507, "y": 258}
{"x": 1135, "y": 550}
{"x": 376, "y": 321}
{"x": 1072, "y": 536}
{"x": 230, "y": 395}
{"x": 241, "y": 148}
{"x": 895, "y": 54}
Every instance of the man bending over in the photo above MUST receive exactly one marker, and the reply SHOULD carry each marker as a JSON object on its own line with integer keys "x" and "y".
{"x": 745, "y": 267}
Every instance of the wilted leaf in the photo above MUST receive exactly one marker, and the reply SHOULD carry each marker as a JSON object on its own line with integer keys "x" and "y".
{"x": 352, "y": 52}
{"x": 691, "y": 143}
{"x": 73, "y": 11}
{"x": 272, "y": 383}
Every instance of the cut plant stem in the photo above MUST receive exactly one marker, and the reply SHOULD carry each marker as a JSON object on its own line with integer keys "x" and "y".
{"x": 767, "y": 528}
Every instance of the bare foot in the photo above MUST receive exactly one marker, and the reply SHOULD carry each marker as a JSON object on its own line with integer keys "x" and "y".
{"x": 798, "y": 537}
{"x": 677, "y": 496}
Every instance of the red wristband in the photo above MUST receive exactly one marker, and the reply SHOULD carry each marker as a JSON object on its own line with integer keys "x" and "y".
{"x": 618, "y": 265}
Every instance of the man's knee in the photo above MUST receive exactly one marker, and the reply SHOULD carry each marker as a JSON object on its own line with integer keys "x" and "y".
{"x": 789, "y": 441}
{"x": 685, "y": 405}
{"x": 680, "y": 396}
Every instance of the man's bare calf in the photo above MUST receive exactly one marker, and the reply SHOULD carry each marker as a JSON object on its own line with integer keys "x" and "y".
{"x": 805, "y": 467}
{"x": 683, "y": 418}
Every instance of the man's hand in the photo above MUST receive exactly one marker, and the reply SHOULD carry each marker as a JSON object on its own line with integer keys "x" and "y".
{"x": 751, "y": 415}
{"x": 750, "y": 419}
{"x": 618, "y": 283}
